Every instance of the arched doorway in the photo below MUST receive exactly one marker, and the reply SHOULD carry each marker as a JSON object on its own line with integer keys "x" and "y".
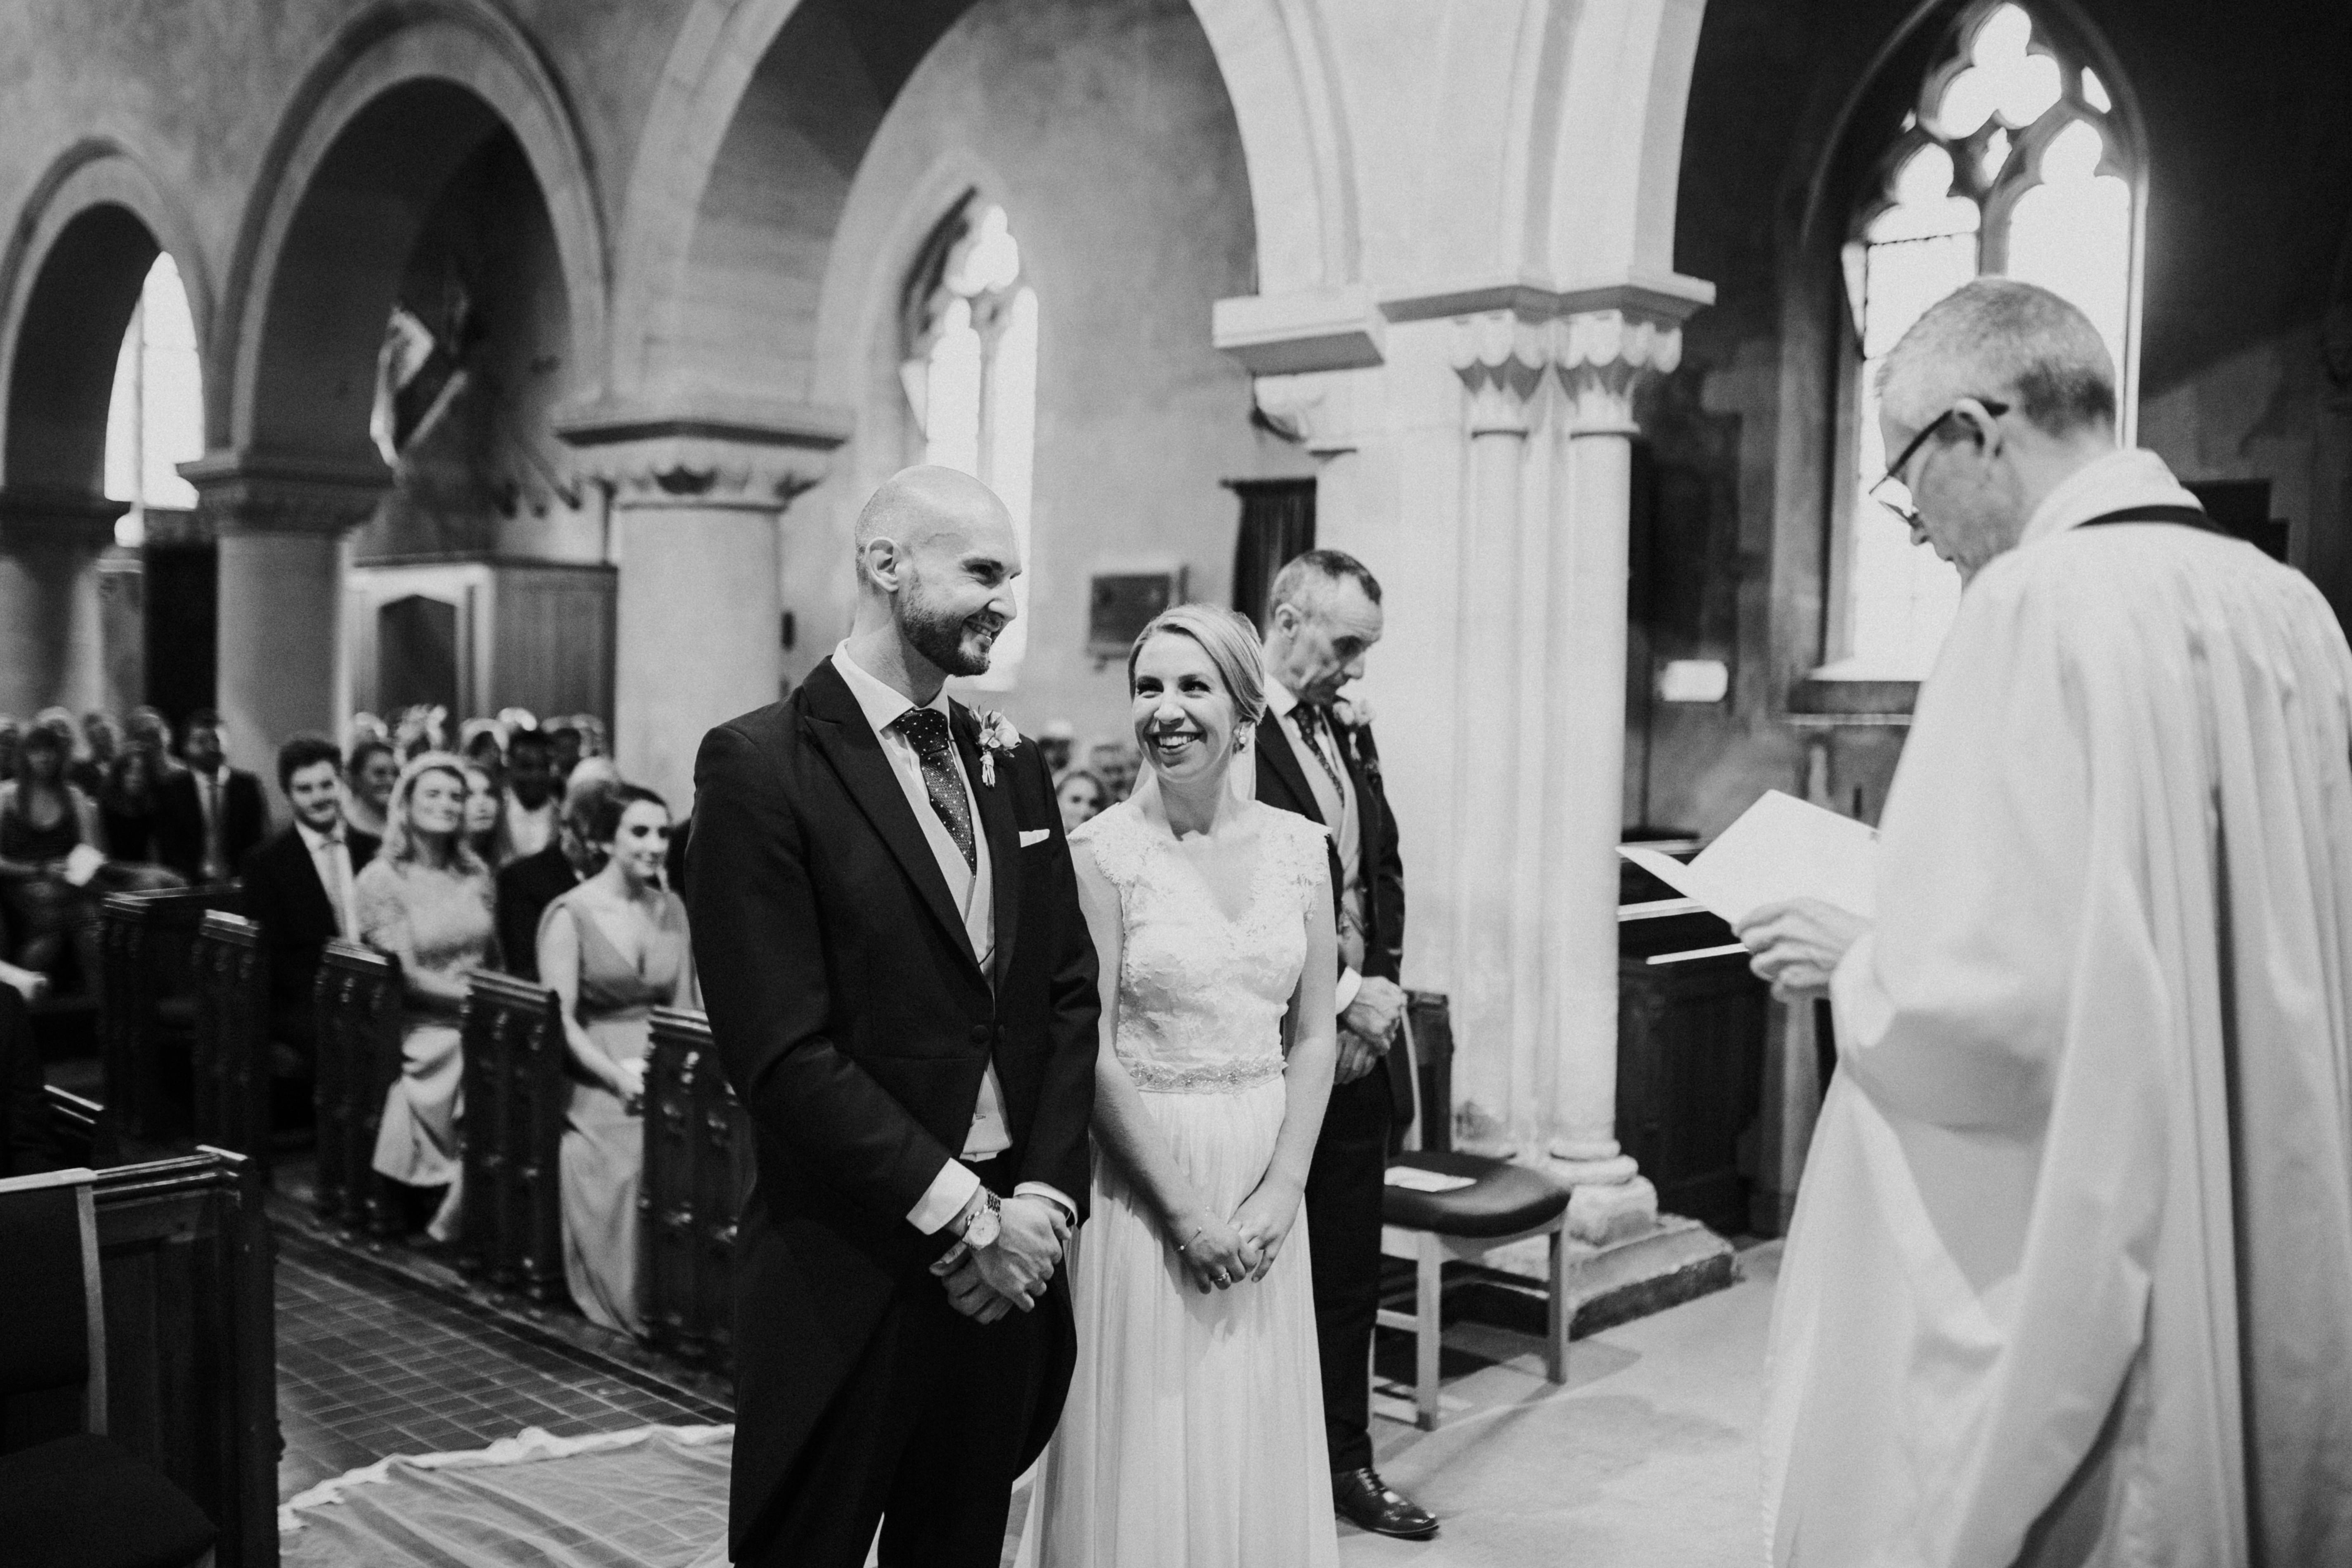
{"x": 414, "y": 289}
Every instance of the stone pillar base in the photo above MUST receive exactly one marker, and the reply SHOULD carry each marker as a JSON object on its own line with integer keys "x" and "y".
{"x": 1602, "y": 1214}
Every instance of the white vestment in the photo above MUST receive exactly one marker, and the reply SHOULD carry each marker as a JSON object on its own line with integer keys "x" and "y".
{"x": 2070, "y": 1279}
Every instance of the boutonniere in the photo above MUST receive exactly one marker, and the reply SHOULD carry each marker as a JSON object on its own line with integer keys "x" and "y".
{"x": 997, "y": 736}
{"x": 1352, "y": 712}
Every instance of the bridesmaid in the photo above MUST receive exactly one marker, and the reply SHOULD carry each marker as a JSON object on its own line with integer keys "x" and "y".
{"x": 426, "y": 899}
{"x": 614, "y": 948}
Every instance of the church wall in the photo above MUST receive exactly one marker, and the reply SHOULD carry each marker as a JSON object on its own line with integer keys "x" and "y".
{"x": 2249, "y": 128}
{"x": 1106, "y": 134}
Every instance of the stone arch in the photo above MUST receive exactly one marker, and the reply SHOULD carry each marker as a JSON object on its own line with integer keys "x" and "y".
{"x": 69, "y": 280}
{"x": 729, "y": 94}
{"x": 407, "y": 89}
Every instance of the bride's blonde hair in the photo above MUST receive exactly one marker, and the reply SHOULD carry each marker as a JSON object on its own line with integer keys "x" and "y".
{"x": 1232, "y": 645}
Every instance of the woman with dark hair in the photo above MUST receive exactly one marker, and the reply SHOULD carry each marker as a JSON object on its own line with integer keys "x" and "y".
{"x": 426, "y": 899}
{"x": 368, "y": 779}
{"x": 1081, "y": 797}
{"x": 485, "y": 817}
{"x": 49, "y": 857}
{"x": 614, "y": 948}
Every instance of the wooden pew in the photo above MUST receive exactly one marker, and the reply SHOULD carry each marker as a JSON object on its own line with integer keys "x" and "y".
{"x": 146, "y": 999}
{"x": 81, "y": 1129}
{"x": 699, "y": 1168}
{"x": 231, "y": 1056}
{"x": 185, "y": 1264}
{"x": 517, "y": 1092}
{"x": 360, "y": 1020}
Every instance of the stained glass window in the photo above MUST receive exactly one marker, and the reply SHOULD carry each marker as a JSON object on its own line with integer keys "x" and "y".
{"x": 972, "y": 380}
{"x": 2012, "y": 163}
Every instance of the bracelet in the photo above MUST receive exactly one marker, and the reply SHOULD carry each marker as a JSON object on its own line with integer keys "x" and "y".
{"x": 1198, "y": 1232}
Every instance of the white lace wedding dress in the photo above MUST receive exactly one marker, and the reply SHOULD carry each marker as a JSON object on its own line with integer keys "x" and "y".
{"x": 1193, "y": 1433}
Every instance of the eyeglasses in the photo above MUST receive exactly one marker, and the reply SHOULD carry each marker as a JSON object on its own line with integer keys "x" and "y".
{"x": 1891, "y": 492}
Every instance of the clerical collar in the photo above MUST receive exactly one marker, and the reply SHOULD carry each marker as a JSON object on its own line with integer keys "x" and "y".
{"x": 2126, "y": 477}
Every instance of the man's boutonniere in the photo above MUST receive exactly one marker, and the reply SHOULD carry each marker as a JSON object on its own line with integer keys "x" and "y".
{"x": 996, "y": 735}
{"x": 1351, "y": 712}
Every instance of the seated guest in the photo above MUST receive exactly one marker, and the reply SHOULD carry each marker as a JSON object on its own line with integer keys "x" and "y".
{"x": 1081, "y": 797}
{"x": 368, "y": 776}
{"x": 486, "y": 826}
{"x": 101, "y": 743}
{"x": 209, "y": 817}
{"x": 565, "y": 747}
{"x": 531, "y": 805}
{"x": 527, "y": 886}
{"x": 426, "y": 899}
{"x": 301, "y": 887}
{"x": 25, "y": 1146}
{"x": 1056, "y": 745}
{"x": 48, "y": 829}
{"x": 614, "y": 948}
{"x": 1115, "y": 762}
{"x": 483, "y": 741}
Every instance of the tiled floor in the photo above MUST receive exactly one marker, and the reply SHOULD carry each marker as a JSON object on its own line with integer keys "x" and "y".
{"x": 368, "y": 1366}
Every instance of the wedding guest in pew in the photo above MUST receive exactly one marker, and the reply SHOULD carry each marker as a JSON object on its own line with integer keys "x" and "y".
{"x": 614, "y": 948}
{"x": 301, "y": 888}
{"x": 368, "y": 776}
{"x": 526, "y": 887}
{"x": 26, "y": 1145}
{"x": 532, "y": 784}
{"x": 209, "y": 816}
{"x": 101, "y": 740}
{"x": 427, "y": 900}
{"x": 1080, "y": 796}
{"x": 486, "y": 826}
{"x": 49, "y": 856}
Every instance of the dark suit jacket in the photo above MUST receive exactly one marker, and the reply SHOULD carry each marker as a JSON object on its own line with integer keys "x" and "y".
{"x": 180, "y": 821}
{"x": 526, "y": 887}
{"x": 1282, "y": 782}
{"x": 283, "y": 895}
{"x": 855, "y": 1025}
{"x": 26, "y": 1145}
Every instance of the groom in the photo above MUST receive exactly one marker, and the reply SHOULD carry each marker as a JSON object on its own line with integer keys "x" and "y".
{"x": 902, "y": 989}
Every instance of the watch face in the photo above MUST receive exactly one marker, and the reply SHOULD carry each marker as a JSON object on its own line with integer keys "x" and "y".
{"x": 981, "y": 1231}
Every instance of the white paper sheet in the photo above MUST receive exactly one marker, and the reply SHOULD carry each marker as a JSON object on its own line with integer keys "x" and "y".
{"x": 1781, "y": 848}
{"x": 82, "y": 863}
{"x": 1414, "y": 1179}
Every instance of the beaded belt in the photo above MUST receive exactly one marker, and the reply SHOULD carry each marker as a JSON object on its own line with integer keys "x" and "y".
{"x": 1216, "y": 1078}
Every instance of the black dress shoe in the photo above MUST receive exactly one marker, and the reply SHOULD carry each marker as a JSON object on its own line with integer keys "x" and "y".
{"x": 1366, "y": 1501}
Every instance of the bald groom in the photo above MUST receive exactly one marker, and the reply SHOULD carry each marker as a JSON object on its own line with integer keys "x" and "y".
{"x": 901, "y": 986}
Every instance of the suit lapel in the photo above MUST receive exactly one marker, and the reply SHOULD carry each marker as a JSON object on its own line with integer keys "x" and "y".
{"x": 301, "y": 870}
{"x": 1274, "y": 754}
{"x": 995, "y": 804}
{"x": 838, "y": 728}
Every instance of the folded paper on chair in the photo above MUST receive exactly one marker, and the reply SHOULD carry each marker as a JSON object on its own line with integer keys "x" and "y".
{"x": 1414, "y": 1179}
{"x": 1781, "y": 848}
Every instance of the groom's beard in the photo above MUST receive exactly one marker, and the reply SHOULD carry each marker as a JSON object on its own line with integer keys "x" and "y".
{"x": 958, "y": 644}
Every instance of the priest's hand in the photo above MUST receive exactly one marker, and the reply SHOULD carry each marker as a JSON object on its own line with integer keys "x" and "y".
{"x": 1798, "y": 943}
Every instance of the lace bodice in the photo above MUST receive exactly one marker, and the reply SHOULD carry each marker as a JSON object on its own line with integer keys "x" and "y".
{"x": 1201, "y": 993}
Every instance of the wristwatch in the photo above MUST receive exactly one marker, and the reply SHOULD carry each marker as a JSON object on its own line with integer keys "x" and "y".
{"x": 979, "y": 1231}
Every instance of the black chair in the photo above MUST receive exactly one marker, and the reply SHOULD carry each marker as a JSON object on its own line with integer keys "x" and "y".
{"x": 1485, "y": 1203}
{"x": 69, "y": 1498}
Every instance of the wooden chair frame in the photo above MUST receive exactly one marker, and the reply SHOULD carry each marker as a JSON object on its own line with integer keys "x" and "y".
{"x": 361, "y": 1017}
{"x": 517, "y": 1092}
{"x": 232, "y": 1055}
{"x": 698, "y": 1165}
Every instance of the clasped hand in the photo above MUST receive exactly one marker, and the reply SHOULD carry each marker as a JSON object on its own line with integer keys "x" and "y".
{"x": 1798, "y": 943}
{"x": 1221, "y": 1253}
{"x": 987, "y": 1282}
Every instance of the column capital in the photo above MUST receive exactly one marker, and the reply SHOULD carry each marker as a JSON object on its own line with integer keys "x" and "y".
{"x": 705, "y": 454}
{"x": 71, "y": 519}
{"x": 1606, "y": 356}
{"x": 240, "y": 493}
{"x": 1502, "y": 357}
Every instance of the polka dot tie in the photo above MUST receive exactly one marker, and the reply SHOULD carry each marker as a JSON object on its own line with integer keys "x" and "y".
{"x": 926, "y": 729}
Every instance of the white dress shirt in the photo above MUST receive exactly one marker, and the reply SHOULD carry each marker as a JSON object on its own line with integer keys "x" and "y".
{"x": 330, "y": 856}
{"x": 973, "y": 889}
{"x": 1339, "y": 820}
{"x": 529, "y": 830}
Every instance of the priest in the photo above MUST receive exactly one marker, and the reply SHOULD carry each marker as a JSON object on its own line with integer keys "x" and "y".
{"x": 2070, "y": 1279}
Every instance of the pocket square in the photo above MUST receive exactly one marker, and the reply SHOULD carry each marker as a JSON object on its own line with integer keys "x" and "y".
{"x": 1030, "y": 836}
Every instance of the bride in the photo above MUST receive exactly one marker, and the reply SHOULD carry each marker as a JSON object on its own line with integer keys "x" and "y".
{"x": 1193, "y": 1433}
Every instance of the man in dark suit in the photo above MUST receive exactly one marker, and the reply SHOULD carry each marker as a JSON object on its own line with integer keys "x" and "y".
{"x": 901, "y": 986}
{"x": 1316, "y": 757}
{"x": 298, "y": 887}
{"x": 208, "y": 816}
{"x": 526, "y": 887}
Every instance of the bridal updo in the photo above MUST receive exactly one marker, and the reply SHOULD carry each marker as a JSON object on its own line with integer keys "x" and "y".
{"x": 1231, "y": 646}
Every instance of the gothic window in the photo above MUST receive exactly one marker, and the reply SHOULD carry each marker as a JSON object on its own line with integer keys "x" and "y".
{"x": 2014, "y": 162}
{"x": 971, "y": 377}
{"x": 155, "y": 419}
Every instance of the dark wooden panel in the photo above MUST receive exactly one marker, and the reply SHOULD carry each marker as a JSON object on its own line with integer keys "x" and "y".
{"x": 699, "y": 1169}
{"x": 147, "y": 1002}
{"x": 231, "y": 1055}
{"x": 517, "y": 1092}
{"x": 553, "y": 639}
{"x": 360, "y": 1020}
{"x": 1690, "y": 1074}
{"x": 82, "y": 1129}
{"x": 185, "y": 1265}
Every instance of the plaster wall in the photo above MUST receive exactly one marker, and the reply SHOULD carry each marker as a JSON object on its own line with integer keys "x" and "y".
{"x": 1106, "y": 134}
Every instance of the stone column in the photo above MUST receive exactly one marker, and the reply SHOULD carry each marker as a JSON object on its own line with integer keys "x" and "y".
{"x": 697, "y": 503}
{"x": 52, "y": 638}
{"x": 281, "y": 522}
{"x": 1604, "y": 355}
